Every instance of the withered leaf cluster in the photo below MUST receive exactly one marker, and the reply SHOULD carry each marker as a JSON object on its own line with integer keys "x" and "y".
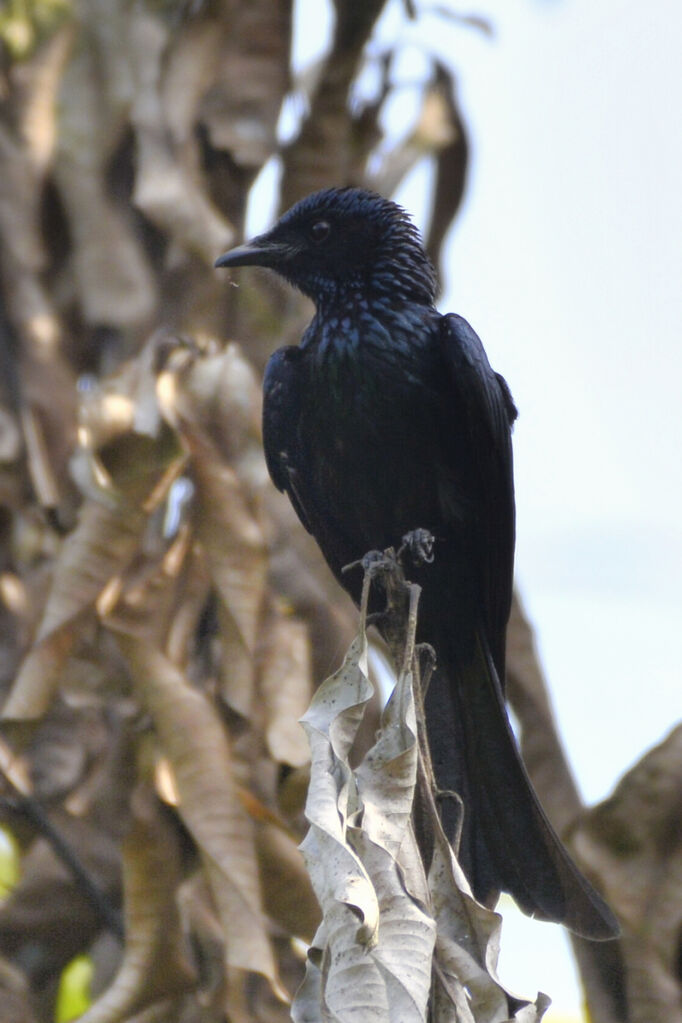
{"x": 162, "y": 617}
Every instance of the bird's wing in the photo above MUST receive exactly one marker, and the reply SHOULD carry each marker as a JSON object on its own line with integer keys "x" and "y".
{"x": 281, "y": 412}
{"x": 486, "y": 408}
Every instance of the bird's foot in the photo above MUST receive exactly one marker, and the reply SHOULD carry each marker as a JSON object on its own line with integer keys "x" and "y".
{"x": 418, "y": 543}
{"x": 372, "y": 562}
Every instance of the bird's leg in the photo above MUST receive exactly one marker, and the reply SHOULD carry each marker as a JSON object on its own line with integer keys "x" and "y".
{"x": 382, "y": 566}
{"x": 371, "y": 562}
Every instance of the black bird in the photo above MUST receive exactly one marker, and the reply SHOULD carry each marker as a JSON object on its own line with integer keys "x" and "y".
{"x": 388, "y": 418}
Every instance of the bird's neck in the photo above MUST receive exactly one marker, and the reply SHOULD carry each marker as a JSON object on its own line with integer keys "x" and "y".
{"x": 357, "y": 323}
{"x": 353, "y": 299}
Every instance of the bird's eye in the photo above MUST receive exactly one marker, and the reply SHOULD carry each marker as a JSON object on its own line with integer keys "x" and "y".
{"x": 320, "y": 230}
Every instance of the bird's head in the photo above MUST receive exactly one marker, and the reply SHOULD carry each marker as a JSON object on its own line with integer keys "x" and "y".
{"x": 340, "y": 240}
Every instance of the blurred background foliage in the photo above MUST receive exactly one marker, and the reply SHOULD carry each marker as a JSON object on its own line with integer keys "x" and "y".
{"x": 163, "y": 619}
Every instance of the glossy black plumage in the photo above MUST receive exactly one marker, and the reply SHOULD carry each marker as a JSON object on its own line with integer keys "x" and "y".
{"x": 388, "y": 418}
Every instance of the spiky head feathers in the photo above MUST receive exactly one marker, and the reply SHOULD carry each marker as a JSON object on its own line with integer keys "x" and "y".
{"x": 341, "y": 239}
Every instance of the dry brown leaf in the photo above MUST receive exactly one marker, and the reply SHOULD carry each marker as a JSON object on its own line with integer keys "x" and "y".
{"x": 287, "y": 893}
{"x": 114, "y": 282}
{"x": 219, "y": 392}
{"x": 100, "y": 547}
{"x": 167, "y": 183}
{"x": 145, "y": 602}
{"x": 196, "y": 745}
{"x": 242, "y": 106}
{"x": 233, "y": 543}
{"x": 191, "y": 599}
{"x": 24, "y": 158}
{"x": 213, "y": 401}
{"x": 432, "y": 132}
{"x": 286, "y": 688}
{"x": 200, "y": 920}
{"x": 47, "y": 425}
{"x": 190, "y": 65}
{"x": 452, "y": 162}
{"x": 154, "y": 965}
{"x": 227, "y": 524}
{"x": 236, "y": 668}
{"x": 632, "y": 843}
{"x": 129, "y": 475}
{"x": 232, "y": 539}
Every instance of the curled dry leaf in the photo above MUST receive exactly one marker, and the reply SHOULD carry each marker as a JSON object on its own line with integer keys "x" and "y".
{"x": 24, "y": 157}
{"x": 386, "y": 780}
{"x": 390, "y": 936}
{"x": 230, "y": 534}
{"x": 287, "y": 893}
{"x": 113, "y": 280}
{"x": 386, "y": 961}
{"x": 242, "y": 107}
{"x": 154, "y": 965}
{"x": 167, "y": 185}
{"x": 234, "y": 546}
{"x": 135, "y": 471}
{"x": 104, "y": 540}
{"x": 431, "y": 133}
{"x": 285, "y": 689}
{"x": 195, "y": 743}
{"x": 467, "y": 949}
{"x": 217, "y": 389}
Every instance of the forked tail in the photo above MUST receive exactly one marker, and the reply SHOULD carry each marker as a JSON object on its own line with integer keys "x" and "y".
{"x": 507, "y": 843}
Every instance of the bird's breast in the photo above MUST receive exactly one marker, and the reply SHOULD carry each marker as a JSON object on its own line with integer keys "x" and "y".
{"x": 368, "y": 427}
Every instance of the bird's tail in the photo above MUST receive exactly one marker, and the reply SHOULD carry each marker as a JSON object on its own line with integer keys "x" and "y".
{"x": 507, "y": 843}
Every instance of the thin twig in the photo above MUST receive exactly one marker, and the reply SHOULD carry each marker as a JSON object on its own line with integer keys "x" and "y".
{"x": 32, "y": 811}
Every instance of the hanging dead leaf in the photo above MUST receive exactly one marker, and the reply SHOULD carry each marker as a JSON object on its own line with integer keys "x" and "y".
{"x": 287, "y": 893}
{"x": 285, "y": 688}
{"x": 235, "y": 551}
{"x": 195, "y": 742}
{"x": 387, "y": 930}
{"x": 25, "y": 158}
{"x": 241, "y": 108}
{"x": 113, "y": 279}
{"x": 154, "y": 965}
{"x": 167, "y": 182}
{"x": 217, "y": 389}
{"x": 103, "y": 543}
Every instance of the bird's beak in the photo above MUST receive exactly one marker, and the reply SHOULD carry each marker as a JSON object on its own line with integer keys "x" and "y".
{"x": 261, "y": 251}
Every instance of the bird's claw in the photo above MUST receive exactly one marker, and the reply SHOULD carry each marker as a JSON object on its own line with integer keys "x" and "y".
{"x": 371, "y": 562}
{"x": 418, "y": 543}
